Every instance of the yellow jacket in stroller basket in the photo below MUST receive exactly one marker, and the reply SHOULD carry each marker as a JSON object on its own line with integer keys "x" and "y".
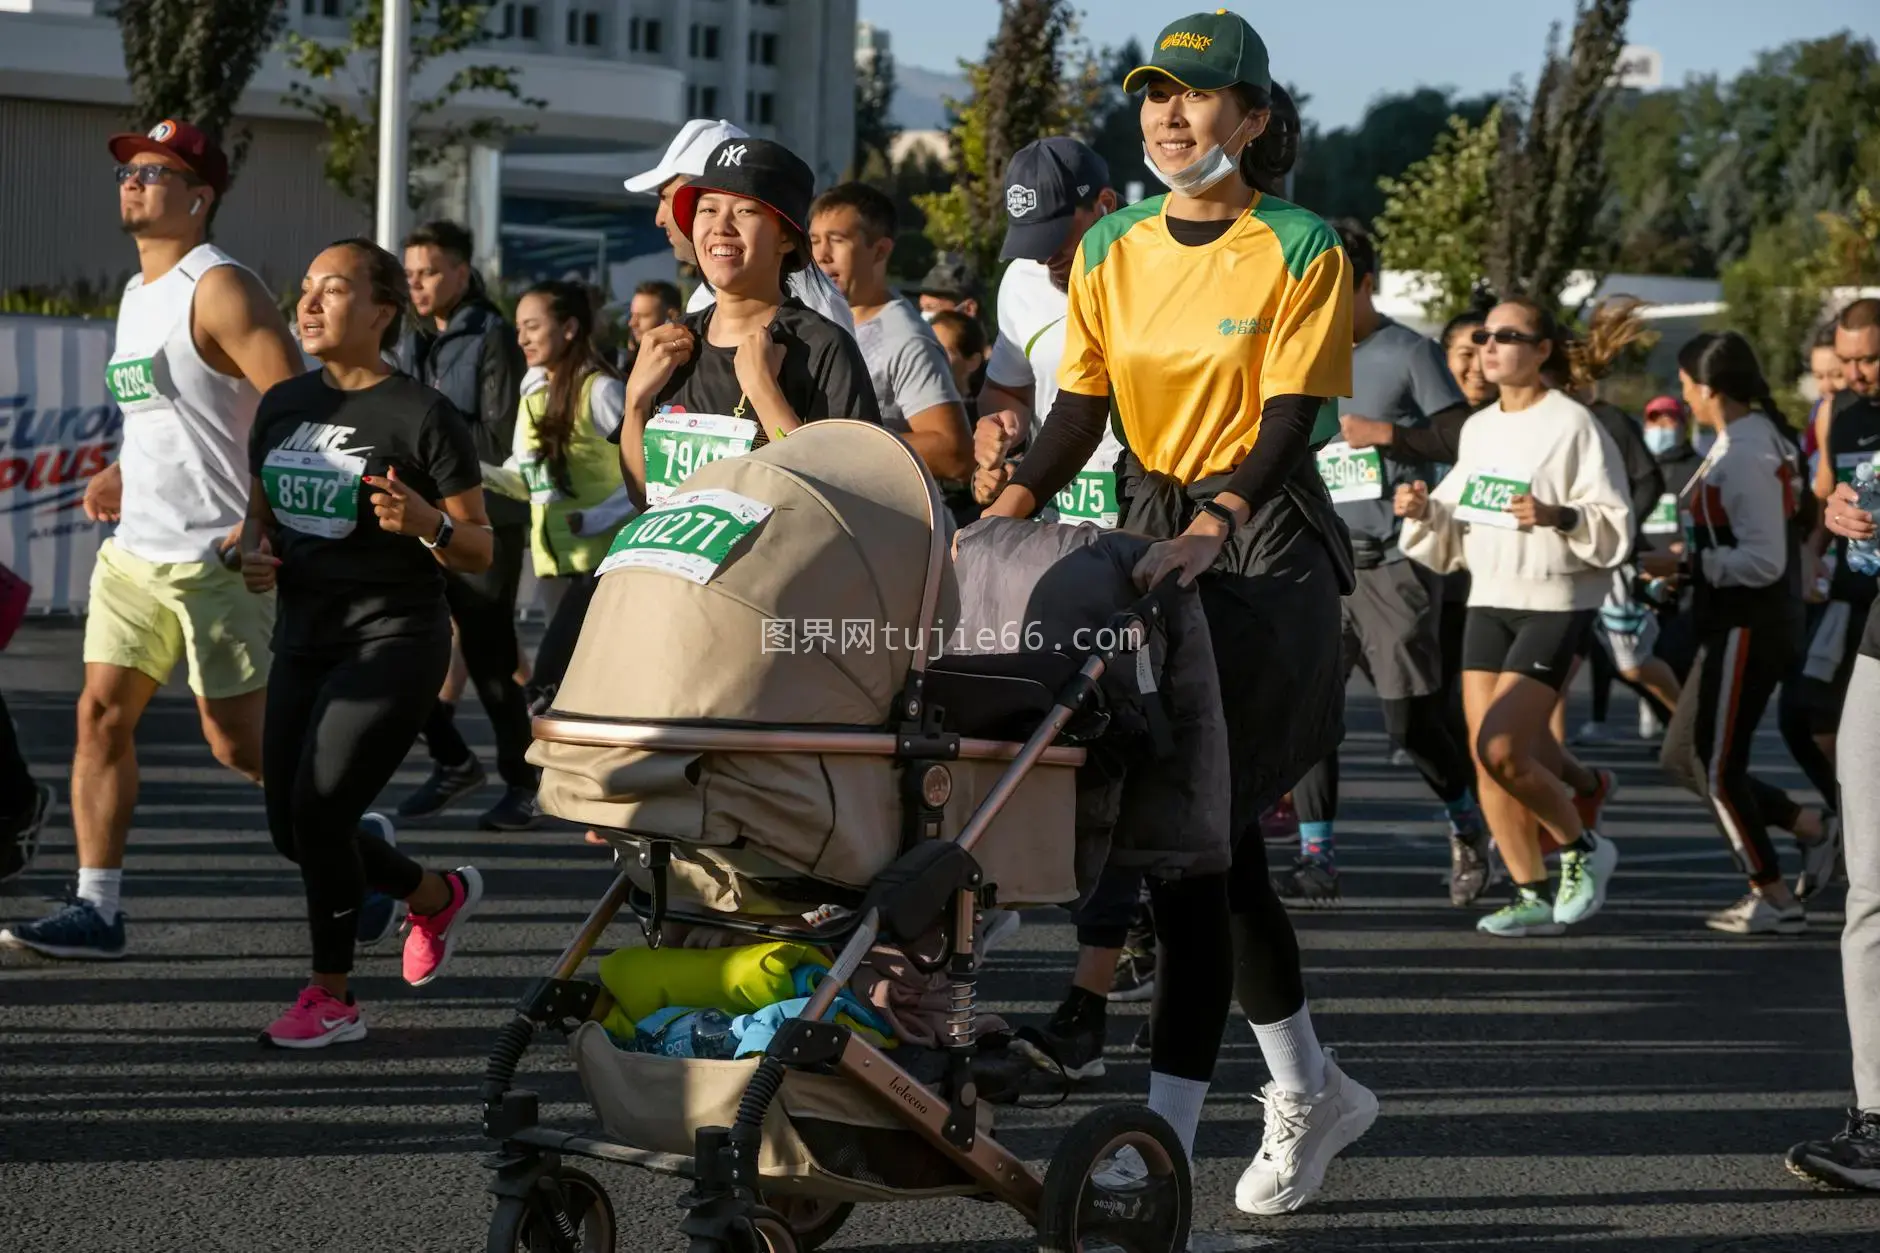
{"x": 761, "y": 717}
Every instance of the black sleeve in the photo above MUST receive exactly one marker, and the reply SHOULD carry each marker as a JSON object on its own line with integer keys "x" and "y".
{"x": 447, "y": 451}
{"x": 1065, "y": 445}
{"x": 843, "y": 386}
{"x": 1440, "y": 442}
{"x": 499, "y": 391}
{"x": 1285, "y": 441}
{"x": 1641, "y": 472}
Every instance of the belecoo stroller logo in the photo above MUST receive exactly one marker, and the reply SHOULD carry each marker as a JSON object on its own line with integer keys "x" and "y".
{"x": 911, "y": 1092}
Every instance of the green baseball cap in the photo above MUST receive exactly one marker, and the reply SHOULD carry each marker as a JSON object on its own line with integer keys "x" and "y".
{"x": 1207, "y": 52}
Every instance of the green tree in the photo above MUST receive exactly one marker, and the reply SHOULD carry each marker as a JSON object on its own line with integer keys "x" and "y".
{"x": 1777, "y": 290}
{"x": 874, "y": 104}
{"x": 192, "y": 59}
{"x": 341, "y": 92}
{"x": 1550, "y": 177}
{"x": 1021, "y": 92}
{"x": 1437, "y": 216}
{"x": 1339, "y": 170}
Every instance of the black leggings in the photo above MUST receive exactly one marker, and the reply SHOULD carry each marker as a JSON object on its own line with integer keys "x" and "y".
{"x": 484, "y": 608}
{"x": 1707, "y": 745}
{"x": 1421, "y": 726}
{"x": 16, "y": 780}
{"x": 563, "y": 633}
{"x": 338, "y": 725}
{"x": 1228, "y": 934}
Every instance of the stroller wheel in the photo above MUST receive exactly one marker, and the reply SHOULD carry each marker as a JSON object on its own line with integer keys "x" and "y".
{"x": 532, "y": 1225}
{"x": 1118, "y": 1180}
{"x": 773, "y": 1233}
{"x": 813, "y": 1221}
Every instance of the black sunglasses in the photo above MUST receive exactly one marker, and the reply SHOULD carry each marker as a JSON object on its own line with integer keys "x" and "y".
{"x": 1503, "y": 335}
{"x": 151, "y": 174}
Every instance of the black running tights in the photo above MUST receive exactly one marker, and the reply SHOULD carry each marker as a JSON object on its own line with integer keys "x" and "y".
{"x": 1216, "y": 933}
{"x": 338, "y": 725}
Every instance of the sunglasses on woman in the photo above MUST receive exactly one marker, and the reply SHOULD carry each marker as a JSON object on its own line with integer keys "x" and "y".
{"x": 1502, "y": 335}
{"x": 150, "y": 175}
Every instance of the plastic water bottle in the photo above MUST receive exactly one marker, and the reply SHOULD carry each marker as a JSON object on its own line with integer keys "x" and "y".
{"x": 1862, "y": 556}
{"x": 703, "y": 1033}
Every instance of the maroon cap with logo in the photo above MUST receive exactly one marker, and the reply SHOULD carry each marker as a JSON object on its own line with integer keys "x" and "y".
{"x": 199, "y": 154}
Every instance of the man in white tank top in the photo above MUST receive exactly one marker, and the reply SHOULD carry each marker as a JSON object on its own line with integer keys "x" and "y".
{"x": 198, "y": 341}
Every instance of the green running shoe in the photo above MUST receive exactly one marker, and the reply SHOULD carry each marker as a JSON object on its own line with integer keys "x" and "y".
{"x": 1530, "y": 914}
{"x": 1583, "y": 880}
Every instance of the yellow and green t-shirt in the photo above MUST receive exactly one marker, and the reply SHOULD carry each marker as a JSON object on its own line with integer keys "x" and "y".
{"x": 1193, "y": 340}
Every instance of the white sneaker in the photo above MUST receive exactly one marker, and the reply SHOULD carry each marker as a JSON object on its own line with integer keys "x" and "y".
{"x": 1303, "y": 1135}
{"x": 1755, "y": 916}
{"x": 1820, "y": 859}
{"x": 1649, "y": 727}
{"x": 1593, "y": 733}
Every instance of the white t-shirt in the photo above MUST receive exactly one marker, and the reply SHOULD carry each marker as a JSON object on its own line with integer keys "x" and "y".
{"x": 1026, "y": 354}
{"x": 809, "y": 285}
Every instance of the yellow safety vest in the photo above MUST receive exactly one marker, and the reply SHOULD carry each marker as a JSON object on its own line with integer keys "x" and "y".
{"x": 594, "y": 475}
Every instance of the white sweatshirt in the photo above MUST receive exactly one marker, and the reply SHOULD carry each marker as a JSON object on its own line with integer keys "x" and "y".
{"x": 1556, "y": 452}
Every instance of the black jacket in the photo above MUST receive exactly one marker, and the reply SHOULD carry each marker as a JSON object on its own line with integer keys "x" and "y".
{"x": 1642, "y": 476}
{"x": 476, "y": 362}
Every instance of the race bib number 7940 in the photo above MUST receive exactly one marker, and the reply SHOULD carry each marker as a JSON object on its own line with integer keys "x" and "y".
{"x": 678, "y": 445}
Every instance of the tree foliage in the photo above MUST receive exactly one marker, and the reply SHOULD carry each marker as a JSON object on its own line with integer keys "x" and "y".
{"x": 874, "y": 104}
{"x": 191, "y": 60}
{"x": 1778, "y": 290}
{"x": 1550, "y": 175}
{"x": 1021, "y": 92}
{"x": 341, "y": 92}
{"x": 1339, "y": 171}
{"x": 1437, "y": 217}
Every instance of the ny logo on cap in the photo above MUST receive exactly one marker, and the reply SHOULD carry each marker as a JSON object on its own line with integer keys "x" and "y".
{"x": 162, "y": 131}
{"x": 733, "y": 155}
{"x": 1020, "y": 200}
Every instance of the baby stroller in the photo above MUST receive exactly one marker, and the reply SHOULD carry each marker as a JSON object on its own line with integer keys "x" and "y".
{"x": 750, "y": 787}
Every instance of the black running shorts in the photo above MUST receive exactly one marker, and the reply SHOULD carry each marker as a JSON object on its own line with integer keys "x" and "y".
{"x": 1540, "y": 644}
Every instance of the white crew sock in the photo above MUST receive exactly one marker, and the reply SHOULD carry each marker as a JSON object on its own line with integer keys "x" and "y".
{"x": 1292, "y": 1053}
{"x": 100, "y": 889}
{"x": 1179, "y": 1101}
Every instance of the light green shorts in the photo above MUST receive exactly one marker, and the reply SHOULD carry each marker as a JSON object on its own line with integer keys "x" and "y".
{"x": 147, "y": 616}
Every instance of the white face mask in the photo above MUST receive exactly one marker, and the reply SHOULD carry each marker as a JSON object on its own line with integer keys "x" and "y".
{"x": 1661, "y": 439}
{"x": 928, "y": 315}
{"x": 1203, "y": 172}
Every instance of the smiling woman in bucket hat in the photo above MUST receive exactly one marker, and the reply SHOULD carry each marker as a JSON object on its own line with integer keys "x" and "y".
{"x": 758, "y": 352}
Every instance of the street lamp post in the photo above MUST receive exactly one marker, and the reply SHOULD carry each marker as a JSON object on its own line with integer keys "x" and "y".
{"x": 394, "y": 142}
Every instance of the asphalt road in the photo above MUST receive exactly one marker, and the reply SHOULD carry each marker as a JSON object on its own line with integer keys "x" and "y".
{"x": 1628, "y": 1089}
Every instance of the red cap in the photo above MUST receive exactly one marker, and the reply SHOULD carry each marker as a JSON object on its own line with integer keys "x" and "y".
{"x": 1668, "y": 405}
{"x": 199, "y": 154}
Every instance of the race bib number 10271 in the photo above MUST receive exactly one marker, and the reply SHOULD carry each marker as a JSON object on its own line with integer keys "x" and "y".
{"x": 690, "y": 535}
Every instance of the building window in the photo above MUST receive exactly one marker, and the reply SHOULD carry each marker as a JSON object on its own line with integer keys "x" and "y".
{"x": 762, "y": 49}
{"x": 691, "y": 99}
{"x": 643, "y": 35}
{"x": 584, "y": 28}
{"x": 654, "y": 36}
{"x": 766, "y": 108}
{"x": 703, "y": 43}
{"x": 521, "y": 21}
{"x": 707, "y": 101}
{"x": 320, "y": 8}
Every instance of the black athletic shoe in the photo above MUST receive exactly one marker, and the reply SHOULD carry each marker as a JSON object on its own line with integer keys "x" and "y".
{"x": 515, "y": 812}
{"x": 1468, "y": 866}
{"x": 1143, "y": 1035}
{"x": 1071, "y": 1044}
{"x": 446, "y": 786}
{"x": 1850, "y": 1160}
{"x": 19, "y": 846}
{"x": 1313, "y": 880}
{"x": 1135, "y": 976}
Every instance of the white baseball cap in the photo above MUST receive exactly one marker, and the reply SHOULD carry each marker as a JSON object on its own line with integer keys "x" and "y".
{"x": 686, "y": 153}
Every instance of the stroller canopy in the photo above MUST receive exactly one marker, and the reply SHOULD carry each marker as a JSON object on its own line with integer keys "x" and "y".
{"x": 812, "y": 618}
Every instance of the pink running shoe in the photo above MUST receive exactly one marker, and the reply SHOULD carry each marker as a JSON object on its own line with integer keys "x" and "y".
{"x": 433, "y": 937}
{"x": 316, "y": 1020}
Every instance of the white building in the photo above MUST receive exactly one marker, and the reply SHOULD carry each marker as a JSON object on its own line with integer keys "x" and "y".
{"x": 618, "y": 76}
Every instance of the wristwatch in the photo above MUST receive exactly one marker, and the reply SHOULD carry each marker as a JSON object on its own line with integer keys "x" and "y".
{"x": 445, "y": 529}
{"x": 1216, "y": 509}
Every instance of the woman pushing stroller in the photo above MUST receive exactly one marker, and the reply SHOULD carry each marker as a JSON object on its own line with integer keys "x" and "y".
{"x": 1219, "y": 316}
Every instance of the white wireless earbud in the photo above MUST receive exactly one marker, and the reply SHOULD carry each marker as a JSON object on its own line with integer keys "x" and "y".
{"x": 195, "y": 207}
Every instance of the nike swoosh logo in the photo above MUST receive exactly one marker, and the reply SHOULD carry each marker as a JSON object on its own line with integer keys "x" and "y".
{"x": 327, "y": 1024}
{"x": 1862, "y": 443}
{"x": 343, "y": 913}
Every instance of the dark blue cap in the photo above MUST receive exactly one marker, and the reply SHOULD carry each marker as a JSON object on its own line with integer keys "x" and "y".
{"x": 1045, "y": 182}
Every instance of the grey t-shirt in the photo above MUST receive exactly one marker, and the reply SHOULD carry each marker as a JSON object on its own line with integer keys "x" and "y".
{"x": 1397, "y": 376}
{"x": 906, "y": 362}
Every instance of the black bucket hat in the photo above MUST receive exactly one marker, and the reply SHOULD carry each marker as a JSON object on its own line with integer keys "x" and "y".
{"x": 756, "y": 169}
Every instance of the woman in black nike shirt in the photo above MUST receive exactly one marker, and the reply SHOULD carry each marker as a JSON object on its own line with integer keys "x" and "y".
{"x": 366, "y": 488}
{"x": 756, "y": 353}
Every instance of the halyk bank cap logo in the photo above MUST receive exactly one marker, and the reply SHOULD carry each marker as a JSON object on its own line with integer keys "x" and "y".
{"x": 163, "y": 130}
{"x": 1020, "y": 200}
{"x": 1186, "y": 39}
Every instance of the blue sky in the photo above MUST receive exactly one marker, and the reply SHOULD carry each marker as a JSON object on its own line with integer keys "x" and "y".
{"x": 1345, "y": 54}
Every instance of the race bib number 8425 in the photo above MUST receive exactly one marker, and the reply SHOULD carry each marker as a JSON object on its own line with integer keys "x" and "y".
{"x": 1487, "y": 497}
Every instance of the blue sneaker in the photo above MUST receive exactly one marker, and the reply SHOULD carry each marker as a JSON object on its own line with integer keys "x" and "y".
{"x": 380, "y": 914}
{"x": 75, "y": 931}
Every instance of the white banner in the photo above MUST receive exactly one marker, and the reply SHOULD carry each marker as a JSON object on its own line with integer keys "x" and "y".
{"x": 58, "y": 427}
